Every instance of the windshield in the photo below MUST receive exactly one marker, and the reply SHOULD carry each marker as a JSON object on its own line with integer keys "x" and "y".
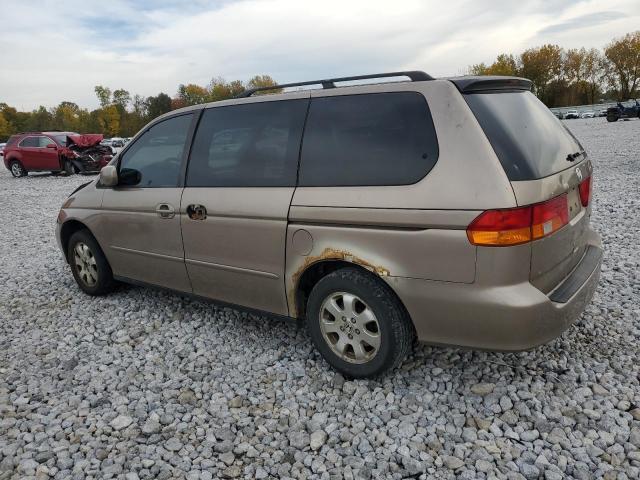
{"x": 528, "y": 139}
{"x": 62, "y": 139}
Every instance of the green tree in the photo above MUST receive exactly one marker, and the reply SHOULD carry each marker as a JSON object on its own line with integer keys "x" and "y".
{"x": 193, "y": 94}
{"x": 260, "y": 81}
{"x": 66, "y": 116}
{"x": 505, "y": 64}
{"x": 109, "y": 120}
{"x": 478, "y": 69}
{"x": 39, "y": 120}
{"x": 623, "y": 56}
{"x": 103, "y": 94}
{"x": 121, "y": 98}
{"x": 6, "y": 129}
{"x": 544, "y": 67}
{"x": 158, "y": 105}
{"x": 220, "y": 89}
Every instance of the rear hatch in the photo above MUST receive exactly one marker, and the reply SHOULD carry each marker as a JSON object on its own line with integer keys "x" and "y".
{"x": 543, "y": 160}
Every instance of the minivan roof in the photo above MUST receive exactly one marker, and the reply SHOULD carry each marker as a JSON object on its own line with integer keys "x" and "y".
{"x": 465, "y": 84}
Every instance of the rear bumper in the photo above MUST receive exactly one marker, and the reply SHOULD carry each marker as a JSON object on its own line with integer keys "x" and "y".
{"x": 506, "y": 317}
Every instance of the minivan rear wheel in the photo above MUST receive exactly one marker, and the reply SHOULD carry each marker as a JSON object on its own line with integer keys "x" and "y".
{"x": 89, "y": 266}
{"x": 358, "y": 324}
{"x": 17, "y": 170}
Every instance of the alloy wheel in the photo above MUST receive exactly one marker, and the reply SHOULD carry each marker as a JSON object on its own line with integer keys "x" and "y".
{"x": 85, "y": 263}
{"x": 350, "y": 327}
{"x": 16, "y": 169}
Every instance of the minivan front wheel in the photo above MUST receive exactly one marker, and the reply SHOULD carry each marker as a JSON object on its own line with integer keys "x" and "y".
{"x": 357, "y": 323}
{"x": 88, "y": 264}
{"x": 17, "y": 170}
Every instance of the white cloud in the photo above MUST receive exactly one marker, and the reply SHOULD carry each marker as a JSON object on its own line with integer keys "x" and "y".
{"x": 54, "y": 51}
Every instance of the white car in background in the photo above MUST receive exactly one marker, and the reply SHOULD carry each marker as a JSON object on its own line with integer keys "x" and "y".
{"x": 588, "y": 114}
{"x": 571, "y": 114}
{"x": 117, "y": 142}
{"x": 2, "y": 145}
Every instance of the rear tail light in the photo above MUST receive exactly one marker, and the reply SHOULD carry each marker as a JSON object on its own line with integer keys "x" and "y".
{"x": 514, "y": 226}
{"x": 585, "y": 191}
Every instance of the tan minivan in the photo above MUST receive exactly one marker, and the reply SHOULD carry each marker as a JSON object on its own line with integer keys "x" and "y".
{"x": 455, "y": 211}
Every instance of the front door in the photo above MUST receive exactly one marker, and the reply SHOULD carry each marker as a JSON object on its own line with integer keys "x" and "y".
{"x": 240, "y": 180}
{"x": 139, "y": 227}
{"x": 48, "y": 158}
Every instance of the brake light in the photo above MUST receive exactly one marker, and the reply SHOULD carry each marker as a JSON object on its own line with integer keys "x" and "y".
{"x": 514, "y": 226}
{"x": 585, "y": 191}
{"x": 549, "y": 216}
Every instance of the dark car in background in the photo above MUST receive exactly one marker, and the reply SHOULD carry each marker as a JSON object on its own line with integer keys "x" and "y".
{"x": 623, "y": 111}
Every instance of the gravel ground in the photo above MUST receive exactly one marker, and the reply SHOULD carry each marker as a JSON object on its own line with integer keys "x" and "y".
{"x": 146, "y": 384}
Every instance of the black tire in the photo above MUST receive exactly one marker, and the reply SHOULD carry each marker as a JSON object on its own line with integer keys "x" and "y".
{"x": 612, "y": 118}
{"x": 16, "y": 168}
{"x": 67, "y": 167}
{"x": 100, "y": 281}
{"x": 395, "y": 329}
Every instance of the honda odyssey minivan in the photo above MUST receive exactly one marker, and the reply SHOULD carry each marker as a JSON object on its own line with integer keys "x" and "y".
{"x": 452, "y": 211}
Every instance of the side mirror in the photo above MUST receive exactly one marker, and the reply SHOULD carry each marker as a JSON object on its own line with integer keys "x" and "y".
{"x": 129, "y": 176}
{"x": 52, "y": 145}
{"x": 109, "y": 176}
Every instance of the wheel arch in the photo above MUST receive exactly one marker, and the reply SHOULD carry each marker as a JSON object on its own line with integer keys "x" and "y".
{"x": 67, "y": 229}
{"x": 305, "y": 280}
{"x": 13, "y": 157}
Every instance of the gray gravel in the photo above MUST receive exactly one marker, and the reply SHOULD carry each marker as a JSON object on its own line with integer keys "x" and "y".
{"x": 145, "y": 384}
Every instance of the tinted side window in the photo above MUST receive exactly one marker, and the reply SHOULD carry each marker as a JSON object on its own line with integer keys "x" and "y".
{"x": 252, "y": 145}
{"x": 371, "y": 139}
{"x": 44, "y": 141}
{"x": 157, "y": 153}
{"x": 30, "y": 142}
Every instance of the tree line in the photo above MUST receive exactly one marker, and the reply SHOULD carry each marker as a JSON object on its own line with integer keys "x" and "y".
{"x": 560, "y": 78}
{"x": 575, "y": 76}
{"x": 120, "y": 114}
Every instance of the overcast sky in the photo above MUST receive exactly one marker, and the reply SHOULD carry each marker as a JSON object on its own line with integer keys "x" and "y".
{"x": 53, "y": 51}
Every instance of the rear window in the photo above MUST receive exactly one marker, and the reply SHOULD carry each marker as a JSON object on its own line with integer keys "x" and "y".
{"x": 369, "y": 139}
{"x": 528, "y": 139}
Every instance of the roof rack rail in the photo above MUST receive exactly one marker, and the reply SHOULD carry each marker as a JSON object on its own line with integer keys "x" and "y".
{"x": 415, "y": 76}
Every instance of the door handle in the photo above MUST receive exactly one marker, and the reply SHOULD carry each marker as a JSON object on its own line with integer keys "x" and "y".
{"x": 164, "y": 210}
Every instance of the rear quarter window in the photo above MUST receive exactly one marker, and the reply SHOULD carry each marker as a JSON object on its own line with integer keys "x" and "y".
{"x": 250, "y": 145}
{"x": 530, "y": 142}
{"x": 368, "y": 139}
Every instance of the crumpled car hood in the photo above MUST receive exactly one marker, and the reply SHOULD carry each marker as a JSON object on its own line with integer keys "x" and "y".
{"x": 84, "y": 141}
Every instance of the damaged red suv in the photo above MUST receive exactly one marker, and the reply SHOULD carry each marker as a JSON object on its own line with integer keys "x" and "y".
{"x": 55, "y": 152}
